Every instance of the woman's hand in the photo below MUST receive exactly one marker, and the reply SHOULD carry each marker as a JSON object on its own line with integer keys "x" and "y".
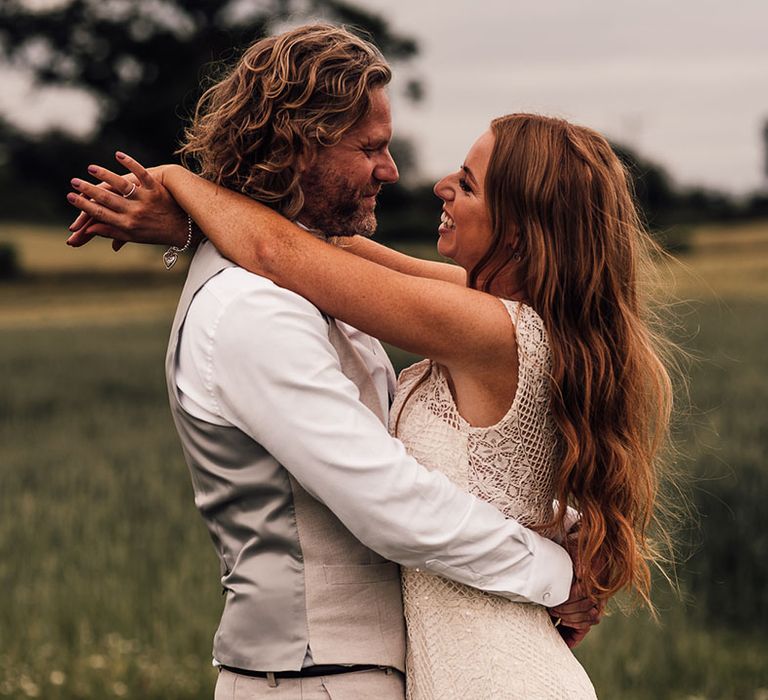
{"x": 134, "y": 208}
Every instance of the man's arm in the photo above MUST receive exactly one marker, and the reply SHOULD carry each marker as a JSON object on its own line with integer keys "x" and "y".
{"x": 275, "y": 375}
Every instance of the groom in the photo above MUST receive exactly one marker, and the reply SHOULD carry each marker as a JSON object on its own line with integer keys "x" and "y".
{"x": 282, "y": 412}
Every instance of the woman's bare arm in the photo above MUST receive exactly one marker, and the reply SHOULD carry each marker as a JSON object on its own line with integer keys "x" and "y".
{"x": 461, "y": 328}
{"x": 452, "y": 324}
{"x": 359, "y": 245}
{"x": 401, "y": 262}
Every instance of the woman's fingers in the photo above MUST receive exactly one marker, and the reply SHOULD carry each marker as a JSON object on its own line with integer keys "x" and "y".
{"x": 122, "y": 185}
{"x": 104, "y": 206}
{"x": 80, "y": 237}
{"x": 111, "y": 182}
{"x": 132, "y": 207}
{"x": 95, "y": 209}
{"x": 88, "y": 233}
{"x": 144, "y": 178}
{"x": 82, "y": 220}
{"x": 101, "y": 195}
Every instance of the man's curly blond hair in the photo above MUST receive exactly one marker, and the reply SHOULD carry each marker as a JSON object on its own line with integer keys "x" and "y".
{"x": 286, "y": 96}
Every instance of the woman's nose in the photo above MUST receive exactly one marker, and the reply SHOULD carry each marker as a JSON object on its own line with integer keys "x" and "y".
{"x": 443, "y": 189}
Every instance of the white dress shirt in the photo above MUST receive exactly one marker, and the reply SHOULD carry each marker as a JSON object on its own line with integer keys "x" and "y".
{"x": 256, "y": 356}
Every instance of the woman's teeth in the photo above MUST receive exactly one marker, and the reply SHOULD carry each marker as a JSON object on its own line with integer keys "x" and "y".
{"x": 447, "y": 221}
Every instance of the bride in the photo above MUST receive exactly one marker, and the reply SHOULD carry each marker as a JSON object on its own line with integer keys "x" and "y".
{"x": 543, "y": 378}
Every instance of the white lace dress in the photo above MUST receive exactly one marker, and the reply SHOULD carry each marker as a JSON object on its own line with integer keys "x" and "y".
{"x": 464, "y": 644}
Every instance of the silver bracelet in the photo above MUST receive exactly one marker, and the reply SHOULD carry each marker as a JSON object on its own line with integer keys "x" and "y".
{"x": 172, "y": 254}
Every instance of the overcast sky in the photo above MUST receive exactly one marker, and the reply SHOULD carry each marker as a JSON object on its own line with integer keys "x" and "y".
{"x": 683, "y": 81}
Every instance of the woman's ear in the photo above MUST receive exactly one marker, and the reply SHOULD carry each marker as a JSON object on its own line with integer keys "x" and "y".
{"x": 513, "y": 248}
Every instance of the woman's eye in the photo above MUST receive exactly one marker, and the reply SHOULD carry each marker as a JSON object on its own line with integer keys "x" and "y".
{"x": 464, "y": 185}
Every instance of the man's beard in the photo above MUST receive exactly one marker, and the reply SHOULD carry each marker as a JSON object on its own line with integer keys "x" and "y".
{"x": 332, "y": 206}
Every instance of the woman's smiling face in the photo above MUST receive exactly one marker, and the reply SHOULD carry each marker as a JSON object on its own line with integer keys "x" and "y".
{"x": 465, "y": 227}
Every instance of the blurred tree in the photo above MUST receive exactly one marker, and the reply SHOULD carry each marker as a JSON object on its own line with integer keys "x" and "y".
{"x": 654, "y": 189}
{"x": 143, "y": 61}
{"x": 765, "y": 150}
{"x": 9, "y": 262}
{"x": 757, "y": 205}
{"x": 408, "y": 214}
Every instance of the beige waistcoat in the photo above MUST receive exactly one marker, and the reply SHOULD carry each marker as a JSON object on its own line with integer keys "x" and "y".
{"x": 293, "y": 576}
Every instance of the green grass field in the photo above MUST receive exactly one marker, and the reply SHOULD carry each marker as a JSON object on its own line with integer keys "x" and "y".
{"x": 111, "y": 583}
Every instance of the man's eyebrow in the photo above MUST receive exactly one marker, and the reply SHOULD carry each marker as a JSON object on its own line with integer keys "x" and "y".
{"x": 468, "y": 172}
{"x": 379, "y": 142}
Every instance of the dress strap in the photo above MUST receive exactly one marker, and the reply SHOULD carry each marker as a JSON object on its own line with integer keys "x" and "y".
{"x": 409, "y": 378}
{"x": 532, "y": 341}
{"x": 514, "y": 308}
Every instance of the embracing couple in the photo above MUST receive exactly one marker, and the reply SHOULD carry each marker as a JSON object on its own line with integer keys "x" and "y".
{"x": 318, "y": 475}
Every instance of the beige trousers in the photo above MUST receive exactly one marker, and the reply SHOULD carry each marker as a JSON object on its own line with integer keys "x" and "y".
{"x": 362, "y": 685}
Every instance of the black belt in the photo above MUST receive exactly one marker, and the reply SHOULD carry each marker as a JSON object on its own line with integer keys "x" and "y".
{"x": 308, "y": 672}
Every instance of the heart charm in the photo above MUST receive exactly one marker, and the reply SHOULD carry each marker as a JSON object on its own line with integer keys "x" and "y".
{"x": 169, "y": 258}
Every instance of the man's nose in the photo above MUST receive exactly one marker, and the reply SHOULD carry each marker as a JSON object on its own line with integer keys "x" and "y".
{"x": 386, "y": 170}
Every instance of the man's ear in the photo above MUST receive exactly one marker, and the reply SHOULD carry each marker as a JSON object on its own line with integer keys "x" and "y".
{"x": 306, "y": 159}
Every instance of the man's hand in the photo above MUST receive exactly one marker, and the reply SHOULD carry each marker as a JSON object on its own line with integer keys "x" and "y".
{"x": 576, "y": 616}
{"x": 148, "y": 215}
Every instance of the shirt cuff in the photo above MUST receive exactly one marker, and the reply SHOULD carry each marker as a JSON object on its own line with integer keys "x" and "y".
{"x": 550, "y": 575}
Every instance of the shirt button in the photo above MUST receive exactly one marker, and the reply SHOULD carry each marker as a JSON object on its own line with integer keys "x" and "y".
{"x": 547, "y": 595}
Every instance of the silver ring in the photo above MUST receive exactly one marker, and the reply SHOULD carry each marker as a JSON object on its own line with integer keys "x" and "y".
{"x": 133, "y": 189}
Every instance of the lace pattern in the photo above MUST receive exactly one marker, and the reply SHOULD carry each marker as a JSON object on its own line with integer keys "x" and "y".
{"x": 465, "y": 644}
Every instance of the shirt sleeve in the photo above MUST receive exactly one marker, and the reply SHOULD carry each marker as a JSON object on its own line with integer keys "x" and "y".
{"x": 571, "y": 522}
{"x": 275, "y": 375}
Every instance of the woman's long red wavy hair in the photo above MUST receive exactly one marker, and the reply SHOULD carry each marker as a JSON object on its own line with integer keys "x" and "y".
{"x": 562, "y": 211}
